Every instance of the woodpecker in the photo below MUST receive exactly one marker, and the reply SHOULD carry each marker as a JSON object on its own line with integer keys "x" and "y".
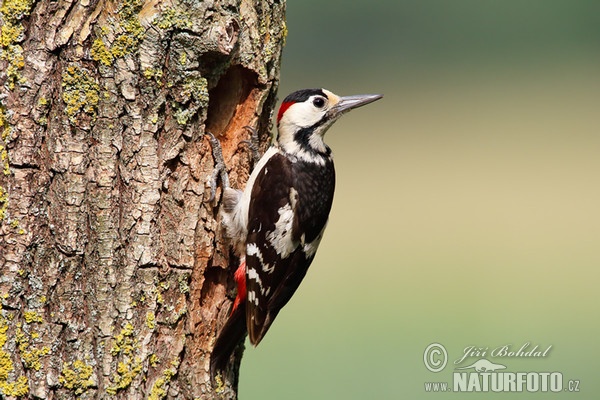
{"x": 276, "y": 223}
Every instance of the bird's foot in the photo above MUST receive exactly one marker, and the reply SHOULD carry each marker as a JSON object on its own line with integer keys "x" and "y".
{"x": 220, "y": 170}
{"x": 253, "y": 143}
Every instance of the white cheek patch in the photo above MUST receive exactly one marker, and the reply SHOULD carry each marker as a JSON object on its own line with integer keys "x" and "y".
{"x": 302, "y": 115}
{"x": 305, "y": 115}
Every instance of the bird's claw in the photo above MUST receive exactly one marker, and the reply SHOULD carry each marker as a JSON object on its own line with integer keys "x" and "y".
{"x": 220, "y": 170}
{"x": 253, "y": 143}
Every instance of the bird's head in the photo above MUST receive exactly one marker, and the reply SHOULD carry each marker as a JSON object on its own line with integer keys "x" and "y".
{"x": 305, "y": 116}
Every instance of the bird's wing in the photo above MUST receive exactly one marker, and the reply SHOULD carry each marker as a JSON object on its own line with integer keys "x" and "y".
{"x": 276, "y": 249}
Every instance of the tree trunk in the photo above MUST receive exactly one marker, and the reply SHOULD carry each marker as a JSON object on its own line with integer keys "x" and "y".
{"x": 114, "y": 275}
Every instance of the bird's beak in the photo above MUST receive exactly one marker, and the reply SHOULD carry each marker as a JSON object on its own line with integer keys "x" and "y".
{"x": 348, "y": 103}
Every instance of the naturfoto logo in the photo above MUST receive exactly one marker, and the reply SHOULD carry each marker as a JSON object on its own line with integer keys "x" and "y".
{"x": 485, "y": 375}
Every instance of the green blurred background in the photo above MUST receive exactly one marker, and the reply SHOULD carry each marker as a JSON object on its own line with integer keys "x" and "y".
{"x": 467, "y": 209}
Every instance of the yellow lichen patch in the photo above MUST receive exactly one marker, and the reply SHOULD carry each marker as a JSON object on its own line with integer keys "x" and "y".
{"x": 196, "y": 88}
{"x": 30, "y": 355}
{"x": 152, "y": 73}
{"x": 126, "y": 373}
{"x": 5, "y": 130}
{"x": 15, "y": 225}
{"x": 150, "y": 320}
{"x": 153, "y": 360}
{"x": 4, "y": 124}
{"x": 129, "y": 41}
{"x": 12, "y": 13}
{"x": 3, "y": 203}
{"x": 76, "y": 377}
{"x": 219, "y": 385}
{"x": 124, "y": 342}
{"x": 129, "y": 33}
{"x": 159, "y": 297}
{"x": 159, "y": 389}
{"x": 32, "y": 316}
{"x": 4, "y": 160}
{"x": 18, "y": 387}
{"x": 6, "y": 365}
{"x": 101, "y": 53}
{"x": 81, "y": 93}
{"x": 125, "y": 345}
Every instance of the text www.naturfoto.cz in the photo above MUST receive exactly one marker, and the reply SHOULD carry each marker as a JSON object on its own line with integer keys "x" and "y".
{"x": 436, "y": 387}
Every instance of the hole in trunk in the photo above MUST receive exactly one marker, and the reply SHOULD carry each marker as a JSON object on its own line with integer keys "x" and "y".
{"x": 232, "y": 105}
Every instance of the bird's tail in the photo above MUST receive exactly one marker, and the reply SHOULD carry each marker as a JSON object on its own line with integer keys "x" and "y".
{"x": 231, "y": 336}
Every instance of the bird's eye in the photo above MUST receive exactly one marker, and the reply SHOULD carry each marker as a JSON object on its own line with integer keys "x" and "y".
{"x": 319, "y": 102}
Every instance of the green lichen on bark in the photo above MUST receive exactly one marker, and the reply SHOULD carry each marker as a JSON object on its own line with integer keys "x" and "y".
{"x": 174, "y": 18}
{"x": 193, "y": 97}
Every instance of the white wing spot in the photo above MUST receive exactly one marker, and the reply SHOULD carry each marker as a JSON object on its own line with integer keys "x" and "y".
{"x": 281, "y": 237}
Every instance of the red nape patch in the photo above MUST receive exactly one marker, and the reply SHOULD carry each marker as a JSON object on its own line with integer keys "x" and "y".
{"x": 283, "y": 108}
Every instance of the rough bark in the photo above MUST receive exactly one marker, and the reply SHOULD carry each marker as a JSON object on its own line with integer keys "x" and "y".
{"x": 114, "y": 275}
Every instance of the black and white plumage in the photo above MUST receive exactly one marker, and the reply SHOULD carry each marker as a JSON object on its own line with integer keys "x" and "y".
{"x": 277, "y": 222}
